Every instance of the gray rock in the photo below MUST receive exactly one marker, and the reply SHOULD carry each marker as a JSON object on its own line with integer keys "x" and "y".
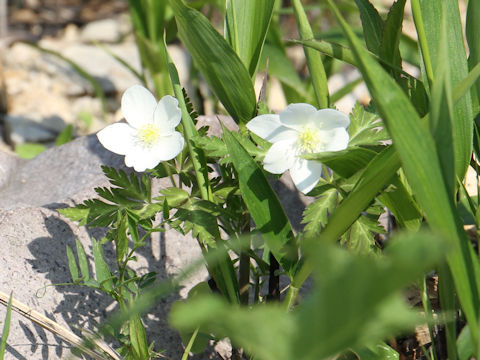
{"x": 105, "y": 30}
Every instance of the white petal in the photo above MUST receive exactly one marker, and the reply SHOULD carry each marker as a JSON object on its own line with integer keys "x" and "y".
{"x": 296, "y": 116}
{"x": 337, "y": 139}
{"x": 305, "y": 174}
{"x": 169, "y": 146}
{"x": 167, "y": 114}
{"x": 327, "y": 119}
{"x": 280, "y": 157}
{"x": 138, "y": 105}
{"x": 141, "y": 158}
{"x": 269, "y": 128}
{"x": 118, "y": 138}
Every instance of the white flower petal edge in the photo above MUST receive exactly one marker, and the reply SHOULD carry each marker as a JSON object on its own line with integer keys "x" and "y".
{"x": 118, "y": 138}
{"x": 268, "y": 127}
{"x": 305, "y": 174}
{"x": 298, "y": 130}
{"x": 167, "y": 114}
{"x": 138, "y": 105}
{"x": 149, "y": 136}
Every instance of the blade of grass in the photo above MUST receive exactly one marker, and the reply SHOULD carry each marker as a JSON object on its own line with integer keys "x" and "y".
{"x": 314, "y": 60}
{"x": 6, "y": 328}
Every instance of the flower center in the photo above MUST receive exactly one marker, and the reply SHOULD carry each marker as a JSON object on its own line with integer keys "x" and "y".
{"x": 148, "y": 134}
{"x": 309, "y": 140}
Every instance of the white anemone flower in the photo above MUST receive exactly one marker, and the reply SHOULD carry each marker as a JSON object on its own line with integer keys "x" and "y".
{"x": 149, "y": 135}
{"x": 298, "y": 130}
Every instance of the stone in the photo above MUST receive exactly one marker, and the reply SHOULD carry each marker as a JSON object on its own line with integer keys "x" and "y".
{"x": 105, "y": 30}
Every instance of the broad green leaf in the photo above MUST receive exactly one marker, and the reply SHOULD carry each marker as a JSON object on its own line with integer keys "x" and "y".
{"x": 72, "y": 265}
{"x": 246, "y": 26}
{"x": 6, "y": 328}
{"x": 432, "y": 13}
{"x": 263, "y": 205}
{"x": 314, "y": 60}
{"x": 102, "y": 272}
{"x": 416, "y": 149}
{"x": 175, "y": 196}
{"x": 82, "y": 261}
{"x": 372, "y": 25}
{"x": 345, "y": 162}
{"x": 219, "y": 64}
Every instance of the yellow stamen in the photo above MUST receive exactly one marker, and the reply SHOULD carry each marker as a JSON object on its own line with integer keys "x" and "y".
{"x": 148, "y": 134}
{"x": 309, "y": 140}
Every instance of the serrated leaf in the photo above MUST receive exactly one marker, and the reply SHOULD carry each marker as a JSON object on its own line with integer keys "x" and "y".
{"x": 360, "y": 236}
{"x": 131, "y": 185}
{"x": 212, "y": 145}
{"x": 175, "y": 196}
{"x": 316, "y": 213}
{"x": 365, "y": 127}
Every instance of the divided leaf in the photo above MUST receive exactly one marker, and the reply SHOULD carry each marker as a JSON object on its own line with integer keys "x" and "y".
{"x": 366, "y": 128}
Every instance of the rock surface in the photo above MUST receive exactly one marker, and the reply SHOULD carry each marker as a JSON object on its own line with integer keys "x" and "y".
{"x": 34, "y": 236}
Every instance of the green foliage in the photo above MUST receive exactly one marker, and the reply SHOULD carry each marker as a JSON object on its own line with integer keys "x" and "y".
{"x": 365, "y": 127}
{"x": 29, "y": 150}
{"x": 327, "y": 321}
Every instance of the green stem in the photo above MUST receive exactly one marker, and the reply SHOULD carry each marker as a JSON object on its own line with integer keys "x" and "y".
{"x": 422, "y": 39}
{"x": 428, "y": 314}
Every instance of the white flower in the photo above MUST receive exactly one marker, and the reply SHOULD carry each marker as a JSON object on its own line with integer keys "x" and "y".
{"x": 149, "y": 136}
{"x": 300, "y": 129}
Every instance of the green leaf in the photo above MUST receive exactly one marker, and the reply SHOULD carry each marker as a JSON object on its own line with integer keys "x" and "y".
{"x": 219, "y": 64}
{"x": 29, "y": 150}
{"x": 263, "y": 205}
{"x": 65, "y": 136}
{"x": 472, "y": 30}
{"x": 82, "y": 261}
{"x": 422, "y": 168}
{"x": 175, "y": 196}
{"x": 360, "y": 237}
{"x": 372, "y": 25}
{"x": 389, "y": 49}
{"x": 6, "y": 328}
{"x": 433, "y": 13}
{"x": 316, "y": 214}
{"x": 102, "y": 272}
{"x": 72, "y": 265}
{"x": 138, "y": 338}
{"x": 365, "y": 127}
{"x": 246, "y": 25}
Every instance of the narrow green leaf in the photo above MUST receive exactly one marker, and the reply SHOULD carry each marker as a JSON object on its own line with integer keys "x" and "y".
{"x": 372, "y": 25}
{"x": 246, "y": 26}
{"x": 65, "y": 136}
{"x": 102, "y": 272}
{"x": 389, "y": 49}
{"x": 223, "y": 70}
{"x": 472, "y": 30}
{"x": 432, "y": 13}
{"x": 314, "y": 60}
{"x": 72, "y": 265}
{"x": 82, "y": 261}
{"x": 417, "y": 151}
{"x": 263, "y": 205}
{"x": 138, "y": 337}
{"x": 6, "y": 328}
